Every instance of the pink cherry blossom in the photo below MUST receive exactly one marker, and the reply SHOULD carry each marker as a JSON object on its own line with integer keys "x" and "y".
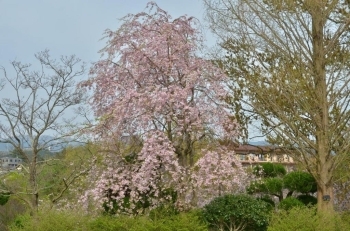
{"x": 151, "y": 84}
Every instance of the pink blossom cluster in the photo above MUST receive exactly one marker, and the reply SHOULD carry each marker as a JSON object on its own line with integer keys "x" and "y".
{"x": 152, "y": 84}
{"x": 144, "y": 180}
{"x": 152, "y": 78}
{"x": 217, "y": 173}
{"x": 157, "y": 170}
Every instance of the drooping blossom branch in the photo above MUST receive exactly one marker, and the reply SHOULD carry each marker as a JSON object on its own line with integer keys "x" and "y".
{"x": 152, "y": 84}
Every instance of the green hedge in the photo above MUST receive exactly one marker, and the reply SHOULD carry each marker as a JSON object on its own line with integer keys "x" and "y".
{"x": 58, "y": 221}
{"x": 307, "y": 219}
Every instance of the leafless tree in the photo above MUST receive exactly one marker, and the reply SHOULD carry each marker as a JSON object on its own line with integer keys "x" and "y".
{"x": 37, "y": 111}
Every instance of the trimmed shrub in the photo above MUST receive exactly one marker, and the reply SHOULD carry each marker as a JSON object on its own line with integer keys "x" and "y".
{"x": 289, "y": 203}
{"x": 270, "y": 170}
{"x": 241, "y": 212}
{"x": 299, "y": 181}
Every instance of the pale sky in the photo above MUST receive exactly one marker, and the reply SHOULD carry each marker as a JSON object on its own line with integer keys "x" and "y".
{"x": 68, "y": 27}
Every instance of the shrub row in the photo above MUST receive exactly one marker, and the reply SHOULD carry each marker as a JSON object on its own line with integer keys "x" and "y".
{"x": 229, "y": 212}
{"x": 58, "y": 221}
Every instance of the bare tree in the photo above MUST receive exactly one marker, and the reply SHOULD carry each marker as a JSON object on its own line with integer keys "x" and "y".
{"x": 289, "y": 62}
{"x": 34, "y": 115}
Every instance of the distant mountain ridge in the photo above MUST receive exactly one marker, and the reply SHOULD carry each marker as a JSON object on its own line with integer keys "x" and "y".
{"x": 54, "y": 146}
{"x": 58, "y": 146}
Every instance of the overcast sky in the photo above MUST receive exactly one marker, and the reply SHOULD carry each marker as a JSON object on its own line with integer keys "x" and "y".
{"x": 68, "y": 27}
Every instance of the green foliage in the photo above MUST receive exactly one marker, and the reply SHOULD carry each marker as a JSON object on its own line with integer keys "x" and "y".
{"x": 9, "y": 211}
{"x": 20, "y": 222}
{"x": 274, "y": 181}
{"x": 345, "y": 217}
{"x": 163, "y": 212}
{"x": 255, "y": 187}
{"x": 270, "y": 170}
{"x": 230, "y": 211}
{"x": 273, "y": 185}
{"x": 15, "y": 180}
{"x": 307, "y": 219}
{"x": 122, "y": 223}
{"x": 289, "y": 203}
{"x": 51, "y": 175}
{"x": 50, "y": 221}
{"x": 4, "y": 197}
{"x": 268, "y": 200}
{"x": 67, "y": 169}
{"x": 190, "y": 221}
{"x": 63, "y": 220}
{"x": 307, "y": 199}
{"x": 299, "y": 181}
{"x": 183, "y": 221}
{"x": 271, "y": 182}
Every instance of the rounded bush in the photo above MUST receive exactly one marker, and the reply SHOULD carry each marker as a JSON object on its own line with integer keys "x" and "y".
{"x": 270, "y": 170}
{"x": 289, "y": 203}
{"x": 234, "y": 211}
{"x": 299, "y": 181}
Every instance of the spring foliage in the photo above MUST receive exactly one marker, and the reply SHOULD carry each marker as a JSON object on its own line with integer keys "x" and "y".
{"x": 237, "y": 212}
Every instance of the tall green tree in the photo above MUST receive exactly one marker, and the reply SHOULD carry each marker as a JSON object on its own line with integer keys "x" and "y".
{"x": 288, "y": 60}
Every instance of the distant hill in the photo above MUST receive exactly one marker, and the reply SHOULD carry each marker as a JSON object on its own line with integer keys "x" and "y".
{"x": 54, "y": 146}
{"x": 58, "y": 146}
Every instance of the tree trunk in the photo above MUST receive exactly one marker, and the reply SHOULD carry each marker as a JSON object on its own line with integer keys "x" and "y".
{"x": 324, "y": 176}
{"x": 325, "y": 200}
{"x": 34, "y": 195}
{"x": 323, "y": 159}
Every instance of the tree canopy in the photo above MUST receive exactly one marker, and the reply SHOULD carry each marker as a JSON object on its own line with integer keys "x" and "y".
{"x": 289, "y": 64}
{"x": 33, "y": 118}
{"x": 152, "y": 85}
